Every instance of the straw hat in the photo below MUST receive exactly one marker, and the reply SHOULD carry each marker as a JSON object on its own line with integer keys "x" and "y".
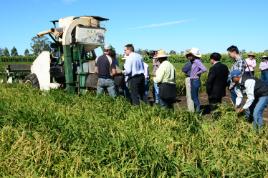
{"x": 195, "y": 52}
{"x": 251, "y": 54}
{"x": 264, "y": 57}
{"x": 161, "y": 54}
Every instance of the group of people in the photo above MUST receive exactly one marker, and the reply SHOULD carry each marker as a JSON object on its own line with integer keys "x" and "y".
{"x": 136, "y": 77}
{"x": 239, "y": 80}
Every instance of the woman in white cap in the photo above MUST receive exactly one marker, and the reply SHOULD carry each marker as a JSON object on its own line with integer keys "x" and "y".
{"x": 197, "y": 69}
{"x": 264, "y": 69}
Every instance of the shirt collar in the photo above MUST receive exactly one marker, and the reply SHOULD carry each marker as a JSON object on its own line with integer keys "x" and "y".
{"x": 238, "y": 58}
{"x": 216, "y": 62}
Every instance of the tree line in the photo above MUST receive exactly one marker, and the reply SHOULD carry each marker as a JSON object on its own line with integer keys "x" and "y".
{"x": 40, "y": 44}
{"x": 37, "y": 46}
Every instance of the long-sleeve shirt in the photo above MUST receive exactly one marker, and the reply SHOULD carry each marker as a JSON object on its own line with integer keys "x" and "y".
{"x": 197, "y": 69}
{"x": 251, "y": 64}
{"x": 264, "y": 65}
{"x": 249, "y": 90}
{"x": 134, "y": 65}
{"x": 240, "y": 65}
{"x": 166, "y": 73}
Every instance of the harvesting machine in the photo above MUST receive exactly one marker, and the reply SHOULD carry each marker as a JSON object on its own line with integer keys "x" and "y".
{"x": 71, "y": 60}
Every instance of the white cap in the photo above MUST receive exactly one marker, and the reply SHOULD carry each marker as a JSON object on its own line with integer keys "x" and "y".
{"x": 194, "y": 51}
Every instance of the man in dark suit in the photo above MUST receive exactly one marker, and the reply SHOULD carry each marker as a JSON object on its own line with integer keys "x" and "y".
{"x": 217, "y": 80}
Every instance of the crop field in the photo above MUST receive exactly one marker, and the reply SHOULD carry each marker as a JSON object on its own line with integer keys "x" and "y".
{"x": 55, "y": 134}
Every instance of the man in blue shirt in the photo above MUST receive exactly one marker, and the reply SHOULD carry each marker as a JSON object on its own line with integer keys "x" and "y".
{"x": 134, "y": 71}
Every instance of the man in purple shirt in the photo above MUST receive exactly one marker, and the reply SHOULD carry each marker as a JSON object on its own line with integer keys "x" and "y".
{"x": 197, "y": 69}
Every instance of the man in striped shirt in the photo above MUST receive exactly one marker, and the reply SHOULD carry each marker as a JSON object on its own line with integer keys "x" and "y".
{"x": 239, "y": 65}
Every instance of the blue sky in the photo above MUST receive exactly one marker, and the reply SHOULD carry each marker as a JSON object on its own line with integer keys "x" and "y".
{"x": 171, "y": 24}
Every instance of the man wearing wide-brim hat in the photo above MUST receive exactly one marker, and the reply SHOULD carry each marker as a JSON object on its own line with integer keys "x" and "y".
{"x": 251, "y": 64}
{"x": 194, "y": 52}
{"x": 166, "y": 79}
{"x": 197, "y": 68}
{"x": 264, "y": 69}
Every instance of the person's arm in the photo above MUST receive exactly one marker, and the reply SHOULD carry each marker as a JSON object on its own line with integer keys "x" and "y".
{"x": 113, "y": 66}
{"x": 210, "y": 80}
{"x": 239, "y": 97}
{"x": 159, "y": 74}
{"x": 147, "y": 71}
{"x": 201, "y": 67}
{"x": 249, "y": 85}
{"x": 128, "y": 67}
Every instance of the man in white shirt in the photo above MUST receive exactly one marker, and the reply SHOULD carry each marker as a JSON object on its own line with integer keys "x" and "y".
{"x": 251, "y": 64}
{"x": 257, "y": 96}
{"x": 134, "y": 71}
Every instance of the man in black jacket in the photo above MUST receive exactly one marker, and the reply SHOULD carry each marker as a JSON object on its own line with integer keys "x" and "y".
{"x": 217, "y": 80}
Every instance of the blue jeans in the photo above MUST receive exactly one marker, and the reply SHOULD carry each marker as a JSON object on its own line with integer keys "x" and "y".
{"x": 156, "y": 93}
{"x": 258, "y": 111}
{"x": 195, "y": 86}
{"x": 106, "y": 83}
{"x": 264, "y": 76}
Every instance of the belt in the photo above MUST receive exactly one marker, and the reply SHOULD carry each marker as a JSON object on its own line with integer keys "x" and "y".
{"x": 102, "y": 77}
{"x": 195, "y": 78}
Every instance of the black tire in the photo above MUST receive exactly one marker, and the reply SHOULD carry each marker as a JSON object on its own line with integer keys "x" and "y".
{"x": 32, "y": 80}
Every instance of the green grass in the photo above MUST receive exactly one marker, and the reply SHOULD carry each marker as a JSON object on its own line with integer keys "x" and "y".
{"x": 55, "y": 134}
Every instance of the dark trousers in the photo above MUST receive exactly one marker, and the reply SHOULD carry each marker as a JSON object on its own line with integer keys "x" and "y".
{"x": 215, "y": 100}
{"x": 137, "y": 89}
{"x": 213, "y": 103}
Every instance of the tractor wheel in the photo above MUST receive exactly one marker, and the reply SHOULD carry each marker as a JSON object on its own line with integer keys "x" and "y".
{"x": 32, "y": 80}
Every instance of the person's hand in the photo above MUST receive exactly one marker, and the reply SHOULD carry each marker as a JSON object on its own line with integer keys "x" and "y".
{"x": 239, "y": 110}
